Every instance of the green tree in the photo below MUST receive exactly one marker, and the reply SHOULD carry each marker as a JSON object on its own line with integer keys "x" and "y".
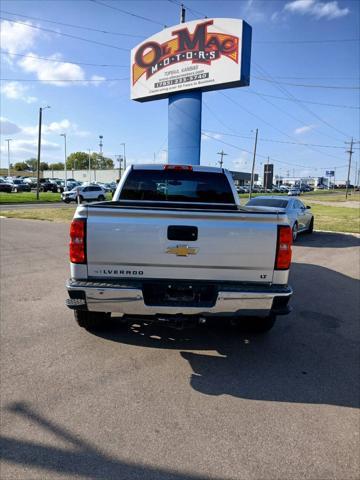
{"x": 32, "y": 164}
{"x": 44, "y": 166}
{"x": 80, "y": 161}
{"x": 20, "y": 166}
{"x": 56, "y": 166}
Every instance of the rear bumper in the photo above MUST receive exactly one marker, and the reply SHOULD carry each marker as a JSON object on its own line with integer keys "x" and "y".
{"x": 125, "y": 298}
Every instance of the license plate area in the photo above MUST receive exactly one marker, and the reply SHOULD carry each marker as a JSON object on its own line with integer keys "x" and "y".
{"x": 176, "y": 294}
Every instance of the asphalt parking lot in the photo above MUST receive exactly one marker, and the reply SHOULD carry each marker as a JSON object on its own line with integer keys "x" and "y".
{"x": 153, "y": 403}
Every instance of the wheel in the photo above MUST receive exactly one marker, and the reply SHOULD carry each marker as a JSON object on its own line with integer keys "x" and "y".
{"x": 92, "y": 320}
{"x": 101, "y": 198}
{"x": 81, "y": 199}
{"x": 311, "y": 226}
{"x": 66, "y": 200}
{"x": 256, "y": 324}
{"x": 295, "y": 231}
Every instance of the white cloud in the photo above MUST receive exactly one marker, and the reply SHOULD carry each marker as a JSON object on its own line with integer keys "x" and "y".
{"x": 210, "y": 136}
{"x": 55, "y": 72}
{"x": 7, "y": 127}
{"x": 16, "y": 37}
{"x": 254, "y": 12}
{"x": 97, "y": 80}
{"x": 16, "y": 91}
{"x": 304, "y": 129}
{"x": 242, "y": 162}
{"x": 328, "y": 10}
{"x": 63, "y": 126}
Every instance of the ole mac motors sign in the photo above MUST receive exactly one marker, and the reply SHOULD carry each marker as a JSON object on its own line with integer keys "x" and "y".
{"x": 204, "y": 54}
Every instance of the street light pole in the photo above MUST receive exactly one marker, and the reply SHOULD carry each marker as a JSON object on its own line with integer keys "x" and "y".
{"x": 253, "y": 164}
{"x": 123, "y": 144}
{"x": 39, "y": 152}
{"x": 8, "y": 140}
{"x": 64, "y": 135}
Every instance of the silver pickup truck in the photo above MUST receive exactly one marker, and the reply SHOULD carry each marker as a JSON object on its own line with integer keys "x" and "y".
{"x": 174, "y": 245}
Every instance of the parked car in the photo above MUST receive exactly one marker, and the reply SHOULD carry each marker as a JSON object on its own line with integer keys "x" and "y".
{"x": 5, "y": 186}
{"x": 88, "y": 192}
{"x": 300, "y": 217}
{"x": 20, "y": 186}
{"x": 294, "y": 192}
{"x": 180, "y": 254}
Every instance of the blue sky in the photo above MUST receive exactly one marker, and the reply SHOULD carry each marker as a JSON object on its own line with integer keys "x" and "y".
{"x": 290, "y": 48}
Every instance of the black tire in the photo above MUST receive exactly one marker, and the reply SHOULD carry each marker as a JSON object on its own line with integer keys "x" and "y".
{"x": 101, "y": 198}
{"x": 295, "y": 231}
{"x": 257, "y": 325}
{"x": 311, "y": 226}
{"x": 66, "y": 200}
{"x": 92, "y": 320}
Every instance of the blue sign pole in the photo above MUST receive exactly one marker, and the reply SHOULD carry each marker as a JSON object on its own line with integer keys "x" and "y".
{"x": 184, "y": 128}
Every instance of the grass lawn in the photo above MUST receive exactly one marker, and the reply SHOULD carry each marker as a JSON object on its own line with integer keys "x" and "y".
{"x": 29, "y": 197}
{"x": 51, "y": 214}
{"x": 335, "y": 219}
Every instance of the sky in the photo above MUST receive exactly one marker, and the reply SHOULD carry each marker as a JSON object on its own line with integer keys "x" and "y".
{"x": 303, "y": 97}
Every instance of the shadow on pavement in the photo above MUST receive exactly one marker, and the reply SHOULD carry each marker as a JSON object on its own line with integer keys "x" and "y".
{"x": 327, "y": 240}
{"x": 80, "y": 458}
{"x": 310, "y": 356}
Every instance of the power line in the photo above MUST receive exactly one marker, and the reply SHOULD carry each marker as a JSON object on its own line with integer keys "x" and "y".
{"x": 64, "y": 61}
{"x": 261, "y": 139}
{"x": 341, "y": 40}
{"x": 91, "y": 29}
{"x": 63, "y": 80}
{"x": 304, "y": 107}
{"x": 338, "y": 87}
{"x": 303, "y": 101}
{"x": 127, "y": 13}
{"x": 67, "y": 35}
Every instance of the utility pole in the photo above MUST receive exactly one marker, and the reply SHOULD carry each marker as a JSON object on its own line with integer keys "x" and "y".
{"x": 8, "y": 140}
{"x": 266, "y": 174}
{"x": 182, "y": 13}
{"x": 221, "y": 161}
{"x": 350, "y": 152}
{"x": 65, "y": 158}
{"x": 124, "y": 157}
{"x": 39, "y": 152}
{"x": 253, "y": 164}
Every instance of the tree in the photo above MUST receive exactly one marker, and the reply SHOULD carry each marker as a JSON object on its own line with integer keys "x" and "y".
{"x": 56, "y": 166}
{"x": 44, "y": 166}
{"x": 32, "y": 164}
{"x": 80, "y": 161}
{"x": 21, "y": 166}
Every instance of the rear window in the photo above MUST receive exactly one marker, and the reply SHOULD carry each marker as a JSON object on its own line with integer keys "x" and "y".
{"x": 267, "y": 202}
{"x": 177, "y": 186}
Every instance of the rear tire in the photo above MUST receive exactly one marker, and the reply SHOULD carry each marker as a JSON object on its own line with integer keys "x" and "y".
{"x": 294, "y": 232}
{"x": 311, "y": 226}
{"x": 101, "y": 198}
{"x": 92, "y": 321}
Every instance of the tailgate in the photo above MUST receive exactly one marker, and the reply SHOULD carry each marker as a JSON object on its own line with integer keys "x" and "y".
{"x": 160, "y": 244}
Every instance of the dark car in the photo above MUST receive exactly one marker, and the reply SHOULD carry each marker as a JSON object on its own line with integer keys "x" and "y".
{"x": 5, "y": 186}
{"x": 20, "y": 186}
{"x": 47, "y": 185}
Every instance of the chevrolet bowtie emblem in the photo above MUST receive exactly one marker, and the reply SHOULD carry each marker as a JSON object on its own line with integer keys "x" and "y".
{"x": 182, "y": 250}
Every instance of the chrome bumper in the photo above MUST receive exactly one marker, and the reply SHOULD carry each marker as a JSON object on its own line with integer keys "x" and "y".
{"x": 124, "y": 299}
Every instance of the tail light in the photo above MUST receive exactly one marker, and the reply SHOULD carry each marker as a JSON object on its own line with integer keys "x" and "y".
{"x": 283, "y": 250}
{"x": 78, "y": 241}
{"x": 189, "y": 168}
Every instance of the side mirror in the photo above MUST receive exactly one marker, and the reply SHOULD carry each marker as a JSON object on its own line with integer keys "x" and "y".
{"x": 308, "y": 207}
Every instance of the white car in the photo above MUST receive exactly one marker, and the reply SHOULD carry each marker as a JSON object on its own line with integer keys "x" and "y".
{"x": 300, "y": 217}
{"x": 294, "y": 192}
{"x": 88, "y": 192}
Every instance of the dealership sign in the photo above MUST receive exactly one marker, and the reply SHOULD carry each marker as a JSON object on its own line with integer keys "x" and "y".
{"x": 203, "y": 55}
